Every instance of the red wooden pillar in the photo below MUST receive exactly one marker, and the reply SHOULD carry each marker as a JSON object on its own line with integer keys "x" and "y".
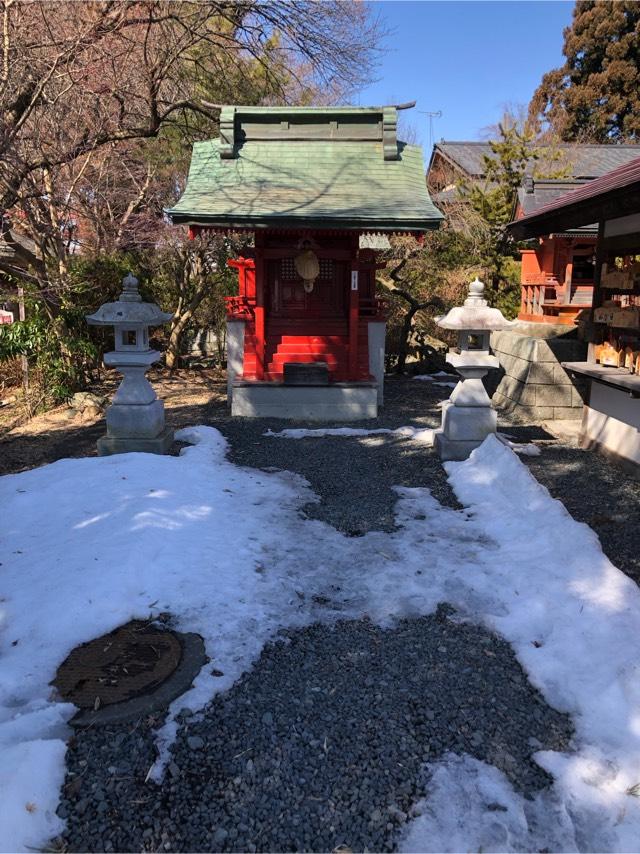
{"x": 354, "y": 312}
{"x": 354, "y": 309}
{"x": 259, "y": 310}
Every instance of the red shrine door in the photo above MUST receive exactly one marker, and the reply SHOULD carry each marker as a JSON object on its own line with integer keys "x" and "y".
{"x": 287, "y": 298}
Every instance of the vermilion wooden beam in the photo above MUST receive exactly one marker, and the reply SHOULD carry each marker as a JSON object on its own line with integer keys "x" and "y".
{"x": 260, "y": 300}
{"x": 354, "y": 311}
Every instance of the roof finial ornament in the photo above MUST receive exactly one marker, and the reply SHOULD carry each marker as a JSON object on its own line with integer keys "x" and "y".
{"x": 130, "y": 291}
{"x": 476, "y": 292}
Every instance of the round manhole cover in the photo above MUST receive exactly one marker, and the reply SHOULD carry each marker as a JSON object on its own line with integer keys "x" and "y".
{"x": 130, "y": 661}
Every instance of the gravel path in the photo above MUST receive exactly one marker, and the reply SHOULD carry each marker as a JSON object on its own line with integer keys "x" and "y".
{"x": 593, "y": 489}
{"x": 353, "y": 477}
{"x": 320, "y": 745}
{"x": 254, "y": 771}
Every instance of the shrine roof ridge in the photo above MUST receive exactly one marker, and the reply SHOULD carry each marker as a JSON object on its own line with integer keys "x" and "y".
{"x": 352, "y": 174}
{"x": 248, "y": 109}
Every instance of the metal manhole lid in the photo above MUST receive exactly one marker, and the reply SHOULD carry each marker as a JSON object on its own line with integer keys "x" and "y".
{"x": 129, "y": 661}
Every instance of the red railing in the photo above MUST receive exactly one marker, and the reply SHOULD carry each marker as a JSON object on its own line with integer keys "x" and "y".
{"x": 540, "y": 291}
{"x": 239, "y": 308}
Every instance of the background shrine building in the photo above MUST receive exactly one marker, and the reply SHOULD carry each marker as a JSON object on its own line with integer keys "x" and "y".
{"x": 315, "y": 186}
{"x": 557, "y": 269}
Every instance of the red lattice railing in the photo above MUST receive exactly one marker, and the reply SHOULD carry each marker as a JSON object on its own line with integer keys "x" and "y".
{"x": 239, "y": 307}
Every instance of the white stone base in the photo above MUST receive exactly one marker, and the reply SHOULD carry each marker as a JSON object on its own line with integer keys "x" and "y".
{"x": 464, "y": 428}
{"x": 335, "y": 402}
{"x": 139, "y": 421}
{"x": 108, "y": 445}
{"x": 449, "y": 449}
{"x": 469, "y": 423}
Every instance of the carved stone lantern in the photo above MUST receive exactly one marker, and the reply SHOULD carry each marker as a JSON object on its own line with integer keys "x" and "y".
{"x": 135, "y": 419}
{"x": 468, "y": 416}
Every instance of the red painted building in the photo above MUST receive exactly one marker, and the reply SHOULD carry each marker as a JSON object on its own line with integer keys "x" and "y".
{"x": 306, "y": 330}
{"x": 557, "y": 273}
{"x": 557, "y": 270}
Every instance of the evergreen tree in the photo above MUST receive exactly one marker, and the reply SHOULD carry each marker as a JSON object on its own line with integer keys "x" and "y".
{"x": 595, "y": 95}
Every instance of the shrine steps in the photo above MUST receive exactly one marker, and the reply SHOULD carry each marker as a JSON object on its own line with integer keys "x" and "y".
{"x": 334, "y": 352}
{"x": 323, "y": 340}
{"x": 263, "y": 393}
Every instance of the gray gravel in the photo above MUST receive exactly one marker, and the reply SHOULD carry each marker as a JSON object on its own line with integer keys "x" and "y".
{"x": 354, "y": 478}
{"x": 254, "y": 772}
{"x": 321, "y": 744}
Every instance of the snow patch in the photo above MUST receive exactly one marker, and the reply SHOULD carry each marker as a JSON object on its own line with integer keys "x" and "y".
{"x": 431, "y": 377}
{"x": 525, "y": 449}
{"x": 424, "y": 435}
{"x": 88, "y": 544}
{"x": 471, "y": 806}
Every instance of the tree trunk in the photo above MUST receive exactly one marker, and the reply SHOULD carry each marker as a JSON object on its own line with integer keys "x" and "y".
{"x": 175, "y": 340}
{"x": 403, "y": 343}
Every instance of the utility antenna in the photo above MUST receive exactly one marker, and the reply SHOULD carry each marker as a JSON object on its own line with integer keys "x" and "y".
{"x": 432, "y": 116}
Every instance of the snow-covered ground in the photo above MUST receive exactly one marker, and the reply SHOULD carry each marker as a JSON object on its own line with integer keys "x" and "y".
{"x": 440, "y": 378}
{"x": 424, "y": 435}
{"x": 431, "y": 377}
{"x": 88, "y": 544}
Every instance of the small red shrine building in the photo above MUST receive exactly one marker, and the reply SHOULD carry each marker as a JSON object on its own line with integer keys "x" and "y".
{"x": 557, "y": 273}
{"x": 557, "y": 270}
{"x": 315, "y": 186}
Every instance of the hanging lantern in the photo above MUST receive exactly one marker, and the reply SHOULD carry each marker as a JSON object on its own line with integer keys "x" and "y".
{"x": 308, "y": 268}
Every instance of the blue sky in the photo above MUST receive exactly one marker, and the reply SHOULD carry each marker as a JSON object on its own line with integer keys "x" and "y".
{"x": 467, "y": 59}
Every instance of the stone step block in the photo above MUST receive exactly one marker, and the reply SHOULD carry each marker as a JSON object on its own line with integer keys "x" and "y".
{"x": 553, "y": 395}
{"x": 517, "y": 391}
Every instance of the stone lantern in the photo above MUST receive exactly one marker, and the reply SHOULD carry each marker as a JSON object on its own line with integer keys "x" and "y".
{"x": 135, "y": 419}
{"x": 468, "y": 416}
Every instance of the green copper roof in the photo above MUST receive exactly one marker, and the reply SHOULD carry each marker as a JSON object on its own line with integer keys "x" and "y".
{"x": 283, "y": 167}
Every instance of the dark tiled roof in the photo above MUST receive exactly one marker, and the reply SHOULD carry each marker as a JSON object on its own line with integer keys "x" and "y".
{"x": 577, "y": 207}
{"x": 586, "y": 161}
{"x": 15, "y": 247}
{"x": 537, "y": 194}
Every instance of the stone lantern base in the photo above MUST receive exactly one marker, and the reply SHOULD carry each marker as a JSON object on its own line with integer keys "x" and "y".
{"x": 464, "y": 428}
{"x": 123, "y": 445}
{"x": 468, "y": 416}
{"x": 135, "y": 419}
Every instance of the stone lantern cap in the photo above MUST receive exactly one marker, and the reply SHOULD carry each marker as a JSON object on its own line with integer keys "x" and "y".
{"x": 475, "y": 314}
{"x": 129, "y": 310}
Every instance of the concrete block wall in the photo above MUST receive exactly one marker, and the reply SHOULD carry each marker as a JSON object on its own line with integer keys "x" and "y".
{"x": 534, "y": 386}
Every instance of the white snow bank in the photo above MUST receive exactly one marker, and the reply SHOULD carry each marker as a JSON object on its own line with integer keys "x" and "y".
{"x": 574, "y": 622}
{"x": 88, "y": 544}
{"x": 431, "y": 377}
{"x": 424, "y": 435}
{"x": 525, "y": 449}
{"x": 472, "y": 807}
